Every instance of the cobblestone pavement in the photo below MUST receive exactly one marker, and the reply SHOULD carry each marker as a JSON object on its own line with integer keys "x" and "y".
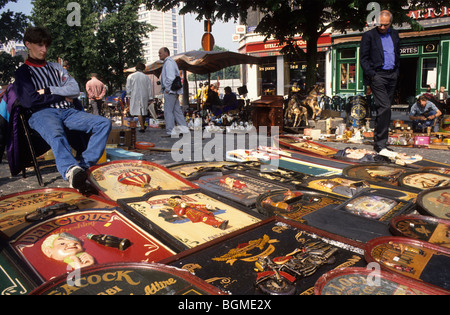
{"x": 216, "y": 144}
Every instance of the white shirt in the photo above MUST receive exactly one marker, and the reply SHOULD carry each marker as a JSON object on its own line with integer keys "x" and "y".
{"x": 169, "y": 72}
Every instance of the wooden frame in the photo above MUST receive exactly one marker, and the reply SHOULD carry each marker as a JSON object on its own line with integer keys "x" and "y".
{"x": 153, "y": 212}
{"x": 132, "y": 178}
{"x": 355, "y": 281}
{"x": 15, "y": 208}
{"x": 137, "y": 279}
{"x": 424, "y": 228}
{"x": 411, "y": 258}
{"x": 36, "y": 247}
{"x": 435, "y": 202}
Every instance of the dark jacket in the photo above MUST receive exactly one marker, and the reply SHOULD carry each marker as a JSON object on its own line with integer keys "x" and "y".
{"x": 372, "y": 55}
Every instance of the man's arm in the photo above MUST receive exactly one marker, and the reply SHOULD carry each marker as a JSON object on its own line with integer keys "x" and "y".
{"x": 170, "y": 74}
{"x": 69, "y": 87}
{"x": 365, "y": 52}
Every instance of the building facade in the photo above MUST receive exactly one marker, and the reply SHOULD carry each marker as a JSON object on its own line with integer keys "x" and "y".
{"x": 425, "y": 57}
{"x": 168, "y": 33}
{"x": 425, "y": 60}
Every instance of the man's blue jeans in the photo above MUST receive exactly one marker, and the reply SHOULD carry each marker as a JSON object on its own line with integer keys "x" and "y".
{"x": 421, "y": 125}
{"x": 50, "y": 123}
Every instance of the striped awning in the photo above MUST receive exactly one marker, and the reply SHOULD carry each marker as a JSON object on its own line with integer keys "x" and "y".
{"x": 278, "y": 53}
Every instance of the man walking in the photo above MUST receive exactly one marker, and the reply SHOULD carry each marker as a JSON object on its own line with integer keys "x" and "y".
{"x": 140, "y": 90}
{"x": 380, "y": 60}
{"x": 96, "y": 91}
{"x": 172, "y": 108}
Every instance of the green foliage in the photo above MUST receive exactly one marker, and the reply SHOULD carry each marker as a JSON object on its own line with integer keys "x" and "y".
{"x": 284, "y": 20}
{"x": 8, "y": 67}
{"x": 12, "y": 25}
{"x": 119, "y": 41}
{"x": 107, "y": 40}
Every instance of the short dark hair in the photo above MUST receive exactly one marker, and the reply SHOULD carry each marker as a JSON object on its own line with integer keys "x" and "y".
{"x": 423, "y": 98}
{"x": 37, "y": 35}
{"x": 140, "y": 66}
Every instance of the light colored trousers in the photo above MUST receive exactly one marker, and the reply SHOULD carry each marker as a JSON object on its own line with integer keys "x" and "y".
{"x": 172, "y": 112}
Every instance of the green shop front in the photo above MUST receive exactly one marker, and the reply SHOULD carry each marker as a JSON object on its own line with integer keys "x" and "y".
{"x": 425, "y": 59}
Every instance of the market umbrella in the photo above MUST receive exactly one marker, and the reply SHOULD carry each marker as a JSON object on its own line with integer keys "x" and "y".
{"x": 204, "y": 62}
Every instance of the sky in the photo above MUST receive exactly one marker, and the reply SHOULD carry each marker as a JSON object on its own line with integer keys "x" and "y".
{"x": 221, "y": 31}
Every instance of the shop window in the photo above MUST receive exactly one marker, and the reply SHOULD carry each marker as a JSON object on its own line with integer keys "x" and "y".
{"x": 348, "y": 76}
{"x": 268, "y": 74}
{"x": 349, "y": 53}
{"x": 297, "y": 76}
{"x": 429, "y": 72}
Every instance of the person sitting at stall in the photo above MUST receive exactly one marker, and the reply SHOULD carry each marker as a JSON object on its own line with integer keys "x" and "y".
{"x": 198, "y": 95}
{"x": 442, "y": 99}
{"x": 229, "y": 101}
{"x": 424, "y": 114}
{"x": 204, "y": 95}
{"x": 213, "y": 102}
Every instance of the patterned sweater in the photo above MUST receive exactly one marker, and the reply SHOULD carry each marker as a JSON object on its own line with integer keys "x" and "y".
{"x": 51, "y": 77}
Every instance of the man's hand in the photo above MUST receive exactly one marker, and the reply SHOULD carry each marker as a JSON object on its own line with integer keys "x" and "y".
{"x": 41, "y": 92}
{"x": 69, "y": 100}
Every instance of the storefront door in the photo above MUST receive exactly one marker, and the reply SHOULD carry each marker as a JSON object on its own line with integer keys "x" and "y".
{"x": 407, "y": 83}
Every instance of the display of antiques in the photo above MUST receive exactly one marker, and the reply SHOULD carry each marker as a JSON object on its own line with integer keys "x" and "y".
{"x": 186, "y": 219}
{"x": 82, "y": 239}
{"x": 276, "y": 256}
{"x": 412, "y": 258}
{"x": 363, "y": 281}
{"x": 298, "y": 219}
{"x": 129, "y": 279}
{"x": 424, "y": 228}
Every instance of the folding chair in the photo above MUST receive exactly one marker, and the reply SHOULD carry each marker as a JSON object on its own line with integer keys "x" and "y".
{"x": 36, "y": 146}
{"x": 30, "y": 157}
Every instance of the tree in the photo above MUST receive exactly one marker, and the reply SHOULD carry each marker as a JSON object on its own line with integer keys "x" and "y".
{"x": 100, "y": 36}
{"x": 284, "y": 20}
{"x": 71, "y": 42}
{"x": 8, "y": 67}
{"x": 119, "y": 38}
{"x": 12, "y": 25}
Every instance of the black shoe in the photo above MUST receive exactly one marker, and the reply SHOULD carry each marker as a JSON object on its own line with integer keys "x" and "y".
{"x": 77, "y": 178}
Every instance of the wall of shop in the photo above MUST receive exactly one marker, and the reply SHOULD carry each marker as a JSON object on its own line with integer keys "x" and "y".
{"x": 424, "y": 61}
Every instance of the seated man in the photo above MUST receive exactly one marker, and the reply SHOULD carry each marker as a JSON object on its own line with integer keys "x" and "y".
{"x": 213, "y": 102}
{"x": 423, "y": 114}
{"x": 50, "y": 93}
{"x": 229, "y": 100}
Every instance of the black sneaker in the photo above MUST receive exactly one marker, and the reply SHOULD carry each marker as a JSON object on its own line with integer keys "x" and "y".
{"x": 77, "y": 178}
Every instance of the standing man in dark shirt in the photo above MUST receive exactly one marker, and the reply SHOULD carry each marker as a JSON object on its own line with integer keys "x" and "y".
{"x": 380, "y": 60}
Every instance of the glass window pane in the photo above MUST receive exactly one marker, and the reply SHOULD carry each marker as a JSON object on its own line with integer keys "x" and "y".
{"x": 429, "y": 72}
